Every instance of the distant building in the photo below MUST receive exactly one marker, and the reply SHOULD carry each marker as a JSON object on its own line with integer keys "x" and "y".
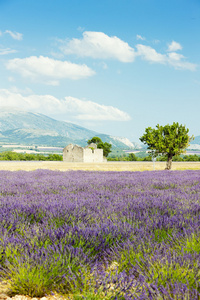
{"x": 74, "y": 153}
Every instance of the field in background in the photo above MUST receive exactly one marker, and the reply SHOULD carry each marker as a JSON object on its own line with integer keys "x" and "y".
{"x": 109, "y": 166}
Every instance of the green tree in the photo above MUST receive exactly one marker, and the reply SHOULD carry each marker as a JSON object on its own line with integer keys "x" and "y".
{"x": 100, "y": 145}
{"x": 95, "y": 140}
{"x": 168, "y": 140}
{"x": 132, "y": 157}
{"x": 192, "y": 157}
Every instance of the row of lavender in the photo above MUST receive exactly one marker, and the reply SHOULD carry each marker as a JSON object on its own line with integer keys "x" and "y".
{"x": 101, "y": 235}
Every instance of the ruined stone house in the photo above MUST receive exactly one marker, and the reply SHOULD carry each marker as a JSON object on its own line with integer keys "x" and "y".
{"x": 74, "y": 153}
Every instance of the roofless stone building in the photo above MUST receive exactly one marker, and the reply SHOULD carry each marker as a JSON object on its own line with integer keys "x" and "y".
{"x": 74, "y": 153}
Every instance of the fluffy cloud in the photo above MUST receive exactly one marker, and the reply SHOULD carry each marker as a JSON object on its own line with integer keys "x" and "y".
{"x": 150, "y": 54}
{"x": 175, "y": 56}
{"x": 177, "y": 61}
{"x": 76, "y": 108}
{"x": 88, "y": 110}
{"x": 99, "y": 45}
{"x": 45, "y": 104}
{"x": 174, "y": 46}
{"x": 48, "y": 70}
{"x": 174, "y": 59}
{"x": 15, "y": 35}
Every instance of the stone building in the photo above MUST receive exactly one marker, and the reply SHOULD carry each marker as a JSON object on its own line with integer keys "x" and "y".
{"x": 74, "y": 153}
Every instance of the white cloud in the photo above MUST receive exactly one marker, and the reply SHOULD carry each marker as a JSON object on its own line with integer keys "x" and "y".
{"x": 69, "y": 106}
{"x": 48, "y": 70}
{"x": 173, "y": 59}
{"x": 7, "y": 51}
{"x": 150, "y": 54}
{"x": 15, "y": 35}
{"x": 176, "y": 60}
{"x": 34, "y": 103}
{"x": 174, "y": 46}
{"x": 139, "y": 37}
{"x": 99, "y": 45}
{"x": 175, "y": 56}
{"x": 88, "y": 110}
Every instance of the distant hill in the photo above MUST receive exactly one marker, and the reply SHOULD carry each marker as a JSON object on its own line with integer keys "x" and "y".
{"x": 22, "y": 127}
{"x": 195, "y": 144}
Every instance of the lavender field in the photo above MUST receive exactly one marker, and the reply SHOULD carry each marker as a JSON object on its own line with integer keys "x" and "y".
{"x": 101, "y": 235}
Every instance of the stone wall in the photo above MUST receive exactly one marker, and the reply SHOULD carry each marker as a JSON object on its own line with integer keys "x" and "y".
{"x": 90, "y": 155}
{"x": 73, "y": 153}
{"x": 91, "y": 146}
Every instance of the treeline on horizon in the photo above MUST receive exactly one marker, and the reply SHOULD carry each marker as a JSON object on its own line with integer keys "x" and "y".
{"x": 9, "y": 155}
{"x": 133, "y": 157}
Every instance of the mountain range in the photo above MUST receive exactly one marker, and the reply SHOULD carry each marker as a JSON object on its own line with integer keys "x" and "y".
{"x": 27, "y": 128}
{"x": 22, "y": 127}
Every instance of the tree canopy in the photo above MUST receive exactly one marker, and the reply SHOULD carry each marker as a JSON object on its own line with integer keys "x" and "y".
{"x": 168, "y": 140}
{"x": 100, "y": 145}
{"x": 95, "y": 140}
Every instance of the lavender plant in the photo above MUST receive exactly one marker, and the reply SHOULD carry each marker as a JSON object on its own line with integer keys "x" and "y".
{"x": 101, "y": 235}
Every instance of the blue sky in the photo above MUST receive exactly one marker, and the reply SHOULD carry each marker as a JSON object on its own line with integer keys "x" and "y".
{"x": 114, "y": 66}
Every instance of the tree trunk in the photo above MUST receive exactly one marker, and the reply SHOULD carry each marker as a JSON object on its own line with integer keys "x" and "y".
{"x": 169, "y": 162}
